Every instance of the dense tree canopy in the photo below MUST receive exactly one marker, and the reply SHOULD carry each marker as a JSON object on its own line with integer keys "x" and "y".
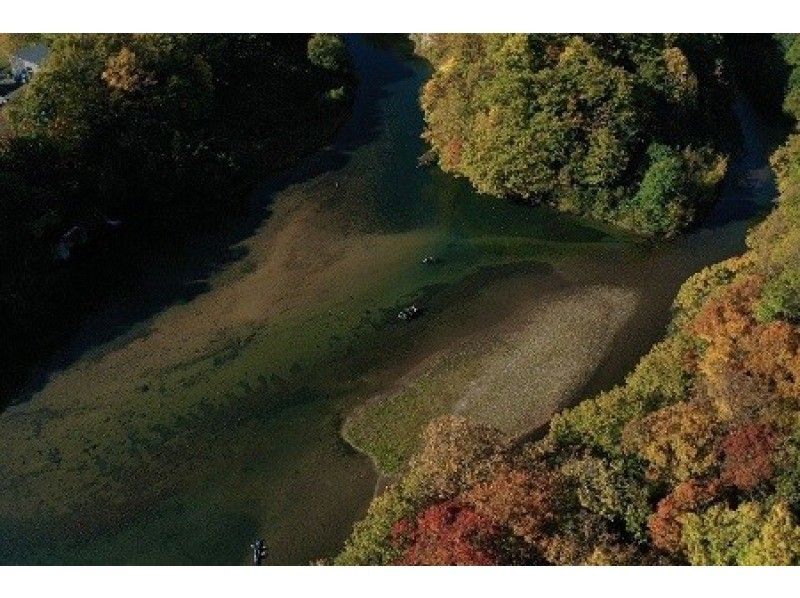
{"x": 791, "y": 50}
{"x": 328, "y": 51}
{"x": 625, "y": 128}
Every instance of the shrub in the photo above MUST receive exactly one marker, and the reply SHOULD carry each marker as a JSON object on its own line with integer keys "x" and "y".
{"x": 337, "y": 94}
{"x": 327, "y": 51}
{"x": 780, "y": 298}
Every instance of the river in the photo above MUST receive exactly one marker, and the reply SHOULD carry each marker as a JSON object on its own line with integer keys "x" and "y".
{"x": 202, "y": 408}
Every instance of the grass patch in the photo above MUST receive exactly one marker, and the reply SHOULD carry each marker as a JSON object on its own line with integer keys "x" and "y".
{"x": 389, "y": 429}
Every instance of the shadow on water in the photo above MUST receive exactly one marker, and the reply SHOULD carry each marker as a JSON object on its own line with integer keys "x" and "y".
{"x": 376, "y": 73}
{"x": 749, "y": 187}
{"x": 150, "y": 278}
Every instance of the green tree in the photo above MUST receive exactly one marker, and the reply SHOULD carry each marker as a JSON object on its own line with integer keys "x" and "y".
{"x": 747, "y": 535}
{"x": 780, "y": 297}
{"x": 721, "y": 536}
{"x": 661, "y": 205}
{"x": 778, "y": 543}
{"x": 614, "y": 490}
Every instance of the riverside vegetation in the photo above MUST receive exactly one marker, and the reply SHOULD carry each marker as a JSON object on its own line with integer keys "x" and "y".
{"x": 154, "y": 132}
{"x": 632, "y": 129}
{"x": 694, "y": 459}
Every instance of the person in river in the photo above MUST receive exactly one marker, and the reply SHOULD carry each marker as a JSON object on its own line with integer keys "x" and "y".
{"x": 409, "y": 313}
{"x": 259, "y": 551}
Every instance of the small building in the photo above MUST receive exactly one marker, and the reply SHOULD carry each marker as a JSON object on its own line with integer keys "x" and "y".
{"x": 26, "y": 61}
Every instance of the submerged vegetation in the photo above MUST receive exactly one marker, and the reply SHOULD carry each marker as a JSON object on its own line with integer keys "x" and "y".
{"x": 123, "y": 140}
{"x": 631, "y": 129}
{"x": 695, "y": 459}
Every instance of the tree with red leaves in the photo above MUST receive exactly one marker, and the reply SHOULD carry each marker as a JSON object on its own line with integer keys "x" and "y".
{"x": 448, "y": 533}
{"x": 748, "y": 455}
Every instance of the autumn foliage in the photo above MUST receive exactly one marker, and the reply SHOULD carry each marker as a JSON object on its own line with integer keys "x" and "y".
{"x": 748, "y": 454}
{"x": 526, "y": 502}
{"x": 694, "y": 460}
{"x": 763, "y": 356}
{"x": 618, "y": 127}
{"x": 665, "y": 524}
{"x": 448, "y": 533}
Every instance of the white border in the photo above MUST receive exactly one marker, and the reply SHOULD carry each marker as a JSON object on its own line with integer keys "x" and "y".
{"x": 399, "y": 582}
{"x": 401, "y": 15}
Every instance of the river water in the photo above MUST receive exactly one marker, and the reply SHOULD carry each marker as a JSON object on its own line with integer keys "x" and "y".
{"x": 202, "y": 408}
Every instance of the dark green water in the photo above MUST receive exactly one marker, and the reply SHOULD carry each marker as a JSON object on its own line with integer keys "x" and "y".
{"x": 189, "y": 461}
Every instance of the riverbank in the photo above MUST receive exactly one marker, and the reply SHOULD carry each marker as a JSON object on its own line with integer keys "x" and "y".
{"x": 159, "y": 194}
{"x": 512, "y": 373}
{"x": 560, "y": 347}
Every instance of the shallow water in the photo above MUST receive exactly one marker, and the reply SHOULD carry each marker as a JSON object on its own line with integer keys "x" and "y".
{"x": 215, "y": 418}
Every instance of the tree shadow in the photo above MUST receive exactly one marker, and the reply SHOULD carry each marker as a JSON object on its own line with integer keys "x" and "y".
{"x": 153, "y": 277}
{"x": 749, "y": 187}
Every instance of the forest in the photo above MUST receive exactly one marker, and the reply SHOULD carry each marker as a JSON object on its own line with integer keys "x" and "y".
{"x": 126, "y": 141}
{"x": 695, "y": 458}
{"x": 629, "y": 129}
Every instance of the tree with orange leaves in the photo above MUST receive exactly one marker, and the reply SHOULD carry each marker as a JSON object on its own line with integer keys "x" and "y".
{"x": 766, "y": 355}
{"x": 524, "y": 501}
{"x": 665, "y": 525}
